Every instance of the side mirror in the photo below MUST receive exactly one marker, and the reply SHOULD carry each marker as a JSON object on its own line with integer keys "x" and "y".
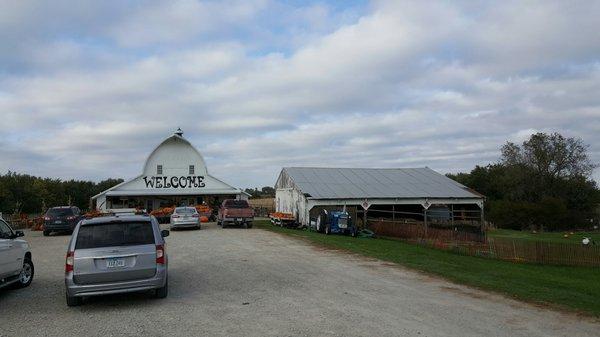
{"x": 19, "y": 234}
{"x": 164, "y": 233}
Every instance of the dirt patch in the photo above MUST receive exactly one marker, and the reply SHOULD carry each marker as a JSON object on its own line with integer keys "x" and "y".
{"x": 463, "y": 292}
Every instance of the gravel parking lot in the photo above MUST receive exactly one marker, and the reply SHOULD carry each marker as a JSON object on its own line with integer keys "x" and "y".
{"x": 238, "y": 282}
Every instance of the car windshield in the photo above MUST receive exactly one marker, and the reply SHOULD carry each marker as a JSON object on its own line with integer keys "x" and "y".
{"x": 185, "y": 210}
{"x": 115, "y": 234}
{"x": 236, "y": 204}
{"x": 57, "y": 212}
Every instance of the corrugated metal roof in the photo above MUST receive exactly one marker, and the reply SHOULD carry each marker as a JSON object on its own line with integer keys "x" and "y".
{"x": 360, "y": 183}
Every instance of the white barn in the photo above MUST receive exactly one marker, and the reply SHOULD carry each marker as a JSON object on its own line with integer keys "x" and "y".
{"x": 174, "y": 174}
{"x": 390, "y": 193}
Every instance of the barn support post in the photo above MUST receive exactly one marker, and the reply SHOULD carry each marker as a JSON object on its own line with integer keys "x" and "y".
{"x": 481, "y": 212}
{"x": 394, "y": 212}
{"x": 452, "y": 214}
{"x": 425, "y": 220}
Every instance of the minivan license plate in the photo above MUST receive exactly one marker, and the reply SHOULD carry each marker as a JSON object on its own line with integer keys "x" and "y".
{"x": 113, "y": 263}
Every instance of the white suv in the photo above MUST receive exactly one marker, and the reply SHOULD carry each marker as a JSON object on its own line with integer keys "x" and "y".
{"x": 16, "y": 266}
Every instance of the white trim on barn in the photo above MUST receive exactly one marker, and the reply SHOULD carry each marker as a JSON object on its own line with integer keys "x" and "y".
{"x": 174, "y": 173}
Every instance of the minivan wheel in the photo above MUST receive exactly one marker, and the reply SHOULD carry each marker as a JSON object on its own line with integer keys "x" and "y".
{"x": 26, "y": 275}
{"x": 73, "y": 301}
{"x": 46, "y": 233}
{"x": 162, "y": 292}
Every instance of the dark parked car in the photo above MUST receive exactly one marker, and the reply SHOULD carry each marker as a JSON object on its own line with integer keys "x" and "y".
{"x": 61, "y": 219}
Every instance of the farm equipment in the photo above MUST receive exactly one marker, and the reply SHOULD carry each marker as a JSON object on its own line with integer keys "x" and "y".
{"x": 283, "y": 219}
{"x": 335, "y": 222}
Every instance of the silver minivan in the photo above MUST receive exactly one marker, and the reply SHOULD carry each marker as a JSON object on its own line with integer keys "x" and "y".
{"x": 116, "y": 254}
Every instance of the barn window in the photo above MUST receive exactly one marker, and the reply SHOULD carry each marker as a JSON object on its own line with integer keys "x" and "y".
{"x": 191, "y": 169}
{"x": 159, "y": 169}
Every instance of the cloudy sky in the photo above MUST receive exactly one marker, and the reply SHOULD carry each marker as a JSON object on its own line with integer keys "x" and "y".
{"x": 89, "y": 88}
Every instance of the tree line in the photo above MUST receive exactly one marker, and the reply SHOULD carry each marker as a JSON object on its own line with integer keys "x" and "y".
{"x": 23, "y": 193}
{"x": 265, "y": 192}
{"x": 543, "y": 183}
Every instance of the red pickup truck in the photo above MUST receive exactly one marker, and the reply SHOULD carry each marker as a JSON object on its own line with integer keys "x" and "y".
{"x": 235, "y": 212}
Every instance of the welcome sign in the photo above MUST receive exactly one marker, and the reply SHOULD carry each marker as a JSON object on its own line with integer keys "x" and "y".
{"x": 174, "y": 182}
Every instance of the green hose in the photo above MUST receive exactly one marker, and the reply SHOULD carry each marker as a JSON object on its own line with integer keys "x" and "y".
{"x": 365, "y": 233}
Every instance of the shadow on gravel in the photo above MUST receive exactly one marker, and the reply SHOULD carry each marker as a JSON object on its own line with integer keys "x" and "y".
{"x": 179, "y": 280}
{"x": 64, "y": 233}
{"x": 127, "y": 300}
{"x": 185, "y": 229}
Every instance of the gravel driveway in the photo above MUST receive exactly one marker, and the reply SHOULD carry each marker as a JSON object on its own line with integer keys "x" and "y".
{"x": 238, "y": 282}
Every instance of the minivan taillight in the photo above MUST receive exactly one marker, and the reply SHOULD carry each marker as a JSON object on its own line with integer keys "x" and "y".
{"x": 69, "y": 261}
{"x": 160, "y": 254}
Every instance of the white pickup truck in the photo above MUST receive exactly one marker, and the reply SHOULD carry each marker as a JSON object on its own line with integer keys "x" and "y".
{"x": 16, "y": 265}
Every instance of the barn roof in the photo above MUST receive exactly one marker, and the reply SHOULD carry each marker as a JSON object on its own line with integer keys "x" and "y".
{"x": 360, "y": 183}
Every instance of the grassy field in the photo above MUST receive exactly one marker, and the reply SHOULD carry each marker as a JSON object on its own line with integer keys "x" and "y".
{"x": 573, "y": 288}
{"x": 553, "y": 237}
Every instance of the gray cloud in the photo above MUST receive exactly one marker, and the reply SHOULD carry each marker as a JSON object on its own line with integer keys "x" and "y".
{"x": 258, "y": 86}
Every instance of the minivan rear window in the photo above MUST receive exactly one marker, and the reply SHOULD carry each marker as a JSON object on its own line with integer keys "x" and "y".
{"x": 115, "y": 234}
{"x": 58, "y": 212}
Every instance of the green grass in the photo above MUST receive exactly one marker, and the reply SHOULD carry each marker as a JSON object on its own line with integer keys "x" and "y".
{"x": 552, "y": 237}
{"x": 573, "y": 288}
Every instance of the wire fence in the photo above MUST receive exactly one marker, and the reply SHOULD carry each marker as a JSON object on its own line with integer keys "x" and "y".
{"x": 418, "y": 230}
{"x": 541, "y": 252}
{"x": 478, "y": 244}
{"x": 22, "y": 221}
